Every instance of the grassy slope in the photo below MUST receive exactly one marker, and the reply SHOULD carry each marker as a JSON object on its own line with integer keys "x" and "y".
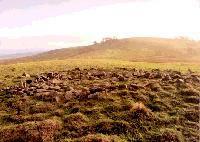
{"x": 131, "y": 49}
{"x": 109, "y": 55}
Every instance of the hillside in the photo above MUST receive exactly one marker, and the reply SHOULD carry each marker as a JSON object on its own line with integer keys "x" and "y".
{"x": 98, "y": 93}
{"x": 130, "y": 49}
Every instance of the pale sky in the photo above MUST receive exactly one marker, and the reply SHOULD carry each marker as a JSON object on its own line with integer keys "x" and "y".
{"x": 82, "y": 22}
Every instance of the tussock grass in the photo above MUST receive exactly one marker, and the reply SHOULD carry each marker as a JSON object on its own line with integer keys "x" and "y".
{"x": 10, "y": 74}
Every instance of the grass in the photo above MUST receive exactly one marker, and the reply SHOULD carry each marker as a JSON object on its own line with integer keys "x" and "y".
{"x": 130, "y": 49}
{"x": 158, "y": 111}
{"x": 9, "y": 74}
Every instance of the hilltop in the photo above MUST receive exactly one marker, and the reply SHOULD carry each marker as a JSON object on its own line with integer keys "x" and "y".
{"x": 129, "y": 49}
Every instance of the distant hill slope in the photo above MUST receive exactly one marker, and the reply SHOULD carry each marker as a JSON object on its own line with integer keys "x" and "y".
{"x": 131, "y": 49}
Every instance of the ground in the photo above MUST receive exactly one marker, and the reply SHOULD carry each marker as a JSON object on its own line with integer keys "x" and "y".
{"x": 99, "y": 100}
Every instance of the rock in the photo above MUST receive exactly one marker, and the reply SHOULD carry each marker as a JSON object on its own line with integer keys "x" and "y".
{"x": 147, "y": 75}
{"x": 123, "y": 92}
{"x": 94, "y": 96}
{"x": 58, "y": 99}
{"x": 56, "y": 88}
{"x": 192, "y": 99}
{"x": 96, "y": 89}
{"x": 29, "y": 81}
{"x": 176, "y": 76}
{"x": 196, "y": 79}
{"x": 69, "y": 77}
{"x": 98, "y": 74}
{"x": 59, "y": 112}
{"x": 56, "y": 81}
{"x": 135, "y": 87}
{"x": 122, "y": 86}
{"x": 26, "y": 75}
{"x": 158, "y": 75}
{"x": 121, "y": 78}
{"x": 180, "y": 81}
{"x": 154, "y": 86}
{"x": 1, "y": 82}
{"x": 128, "y": 75}
{"x": 66, "y": 88}
{"x": 41, "y": 90}
{"x": 115, "y": 79}
{"x": 46, "y": 96}
{"x": 166, "y": 78}
{"x": 111, "y": 87}
{"x": 50, "y": 75}
{"x": 77, "y": 69}
{"x": 44, "y": 78}
{"x": 69, "y": 96}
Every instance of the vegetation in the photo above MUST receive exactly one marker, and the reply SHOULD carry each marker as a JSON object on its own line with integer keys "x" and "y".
{"x": 11, "y": 74}
{"x": 131, "y": 49}
{"x": 101, "y": 94}
{"x": 101, "y": 104}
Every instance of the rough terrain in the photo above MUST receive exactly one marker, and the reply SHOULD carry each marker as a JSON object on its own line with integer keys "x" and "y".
{"x": 102, "y": 105}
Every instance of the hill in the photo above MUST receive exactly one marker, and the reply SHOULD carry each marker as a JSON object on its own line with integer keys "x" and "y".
{"x": 98, "y": 93}
{"x": 129, "y": 49}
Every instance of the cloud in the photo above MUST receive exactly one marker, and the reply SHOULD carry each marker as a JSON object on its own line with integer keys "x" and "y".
{"x": 21, "y": 4}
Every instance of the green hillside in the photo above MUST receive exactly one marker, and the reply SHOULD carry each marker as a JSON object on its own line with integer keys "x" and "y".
{"x": 130, "y": 49}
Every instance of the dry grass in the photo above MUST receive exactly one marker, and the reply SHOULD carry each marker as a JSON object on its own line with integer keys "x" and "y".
{"x": 9, "y": 73}
{"x": 132, "y": 49}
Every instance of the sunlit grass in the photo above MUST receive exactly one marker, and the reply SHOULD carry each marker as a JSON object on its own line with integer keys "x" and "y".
{"x": 9, "y": 73}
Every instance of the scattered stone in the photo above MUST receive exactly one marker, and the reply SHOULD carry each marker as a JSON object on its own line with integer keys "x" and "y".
{"x": 196, "y": 79}
{"x": 122, "y": 86}
{"x": 135, "y": 87}
{"x": 94, "y": 96}
{"x": 166, "y": 78}
{"x": 69, "y": 96}
{"x": 98, "y": 74}
{"x": 26, "y": 75}
{"x": 66, "y": 88}
{"x": 96, "y": 89}
{"x": 154, "y": 86}
{"x": 56, "y": 81}
{"x": 147, "y": 75}
{"x": 50, "y": 75}
{"x": 115, "y": 79}
{"x": 29, "y": 81}
{"x": 180, "y": 81}
{"x": 121, "y": 78}
{"x": 56, "y": 88}
{"x": 64, "y": 93}
{"x": 44, "y": 78}
{"x": 1, "y": 82}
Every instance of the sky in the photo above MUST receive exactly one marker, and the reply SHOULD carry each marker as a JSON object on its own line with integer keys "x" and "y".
{"x": 27, "y": 25}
